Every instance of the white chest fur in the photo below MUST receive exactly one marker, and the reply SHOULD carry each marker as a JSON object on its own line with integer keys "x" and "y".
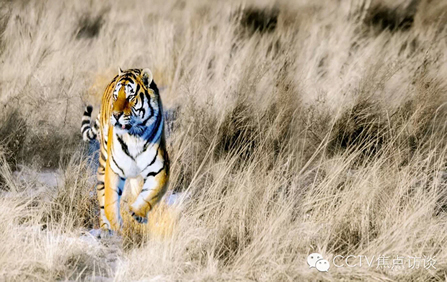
{"x": 129, "y": 156}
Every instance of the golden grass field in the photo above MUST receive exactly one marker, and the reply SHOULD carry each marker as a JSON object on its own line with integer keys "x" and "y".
{"x": 301, "y": 127}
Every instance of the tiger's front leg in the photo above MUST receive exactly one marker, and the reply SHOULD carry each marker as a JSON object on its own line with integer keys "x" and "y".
{"x": 100, "y": 190}
{"x": 154, "y": 187}
{"x": 114, "y": 186}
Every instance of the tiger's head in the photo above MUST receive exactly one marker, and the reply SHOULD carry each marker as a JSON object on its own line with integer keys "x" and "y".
{"x": 134, "y": 102}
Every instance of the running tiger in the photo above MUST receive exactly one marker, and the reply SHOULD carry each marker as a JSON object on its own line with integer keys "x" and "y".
{"x": 130, "y": 128}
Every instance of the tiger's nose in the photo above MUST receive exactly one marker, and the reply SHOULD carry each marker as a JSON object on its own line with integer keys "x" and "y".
{"x": 117, "y": 115}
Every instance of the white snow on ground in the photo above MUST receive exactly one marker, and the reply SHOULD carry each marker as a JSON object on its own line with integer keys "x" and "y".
{"x": 92, "y": 241}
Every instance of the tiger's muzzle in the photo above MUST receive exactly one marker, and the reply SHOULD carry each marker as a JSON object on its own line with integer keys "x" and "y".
{"x": 121, "y": 121}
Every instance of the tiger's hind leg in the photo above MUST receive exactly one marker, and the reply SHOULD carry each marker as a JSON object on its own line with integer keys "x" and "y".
{"x": 154, "y": 188}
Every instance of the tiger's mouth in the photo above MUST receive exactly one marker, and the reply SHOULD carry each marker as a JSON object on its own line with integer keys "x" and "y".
{"x": 126, "y": 126}
{"x": 120, "y": 121}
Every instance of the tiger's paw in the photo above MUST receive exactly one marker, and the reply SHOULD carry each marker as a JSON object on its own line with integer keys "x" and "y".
{"x": 139, "y": 219}
{"x": 137, "y": 215}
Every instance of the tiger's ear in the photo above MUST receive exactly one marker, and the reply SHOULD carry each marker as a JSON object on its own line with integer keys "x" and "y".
{"x": 120, "y": 71}
{"x": 146, "y": 76}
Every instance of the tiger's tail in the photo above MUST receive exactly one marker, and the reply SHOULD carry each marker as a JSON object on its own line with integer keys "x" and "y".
{"x": 88, "y": 131}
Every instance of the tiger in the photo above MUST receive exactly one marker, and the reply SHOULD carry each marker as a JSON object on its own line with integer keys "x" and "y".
{"x": 130, "y": 130}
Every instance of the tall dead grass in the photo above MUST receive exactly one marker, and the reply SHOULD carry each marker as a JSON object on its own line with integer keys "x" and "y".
{"x": 302, "y": 127}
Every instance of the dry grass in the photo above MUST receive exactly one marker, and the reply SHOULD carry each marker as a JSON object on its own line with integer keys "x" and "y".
{"x": 309, "y": 126}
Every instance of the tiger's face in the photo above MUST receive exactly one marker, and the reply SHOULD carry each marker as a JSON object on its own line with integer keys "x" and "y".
{"x": 130, "y": 100}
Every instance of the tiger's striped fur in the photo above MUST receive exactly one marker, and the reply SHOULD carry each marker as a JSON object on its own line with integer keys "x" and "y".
{"x": 89, "y": 132}
{"x": 130, "y": 128}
